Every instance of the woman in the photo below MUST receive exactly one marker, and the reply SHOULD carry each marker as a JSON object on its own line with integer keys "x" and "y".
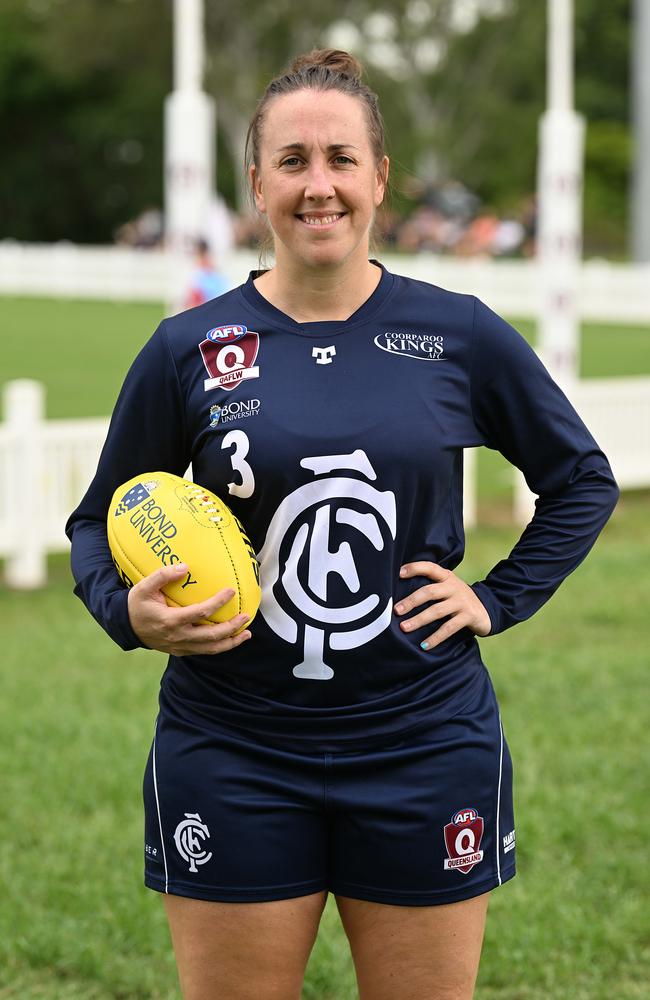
{"x": 350, "y": 741}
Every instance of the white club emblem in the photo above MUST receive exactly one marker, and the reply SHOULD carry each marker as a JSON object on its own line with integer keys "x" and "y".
{"x": 189, "y": 836}
{"x": 310, "y": 561}
{"x": 323, "y": 355}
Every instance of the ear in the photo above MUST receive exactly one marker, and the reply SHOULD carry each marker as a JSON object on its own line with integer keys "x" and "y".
{"x": 381, "y": 179}
{"x": 256, "y": 187}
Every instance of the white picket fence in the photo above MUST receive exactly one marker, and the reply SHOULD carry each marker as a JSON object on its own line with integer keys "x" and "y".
{"x": 617, "y": 412}
{"x": 607, "y": 292}
{"x": 45, "y": 468}
{"x": 46, "y": 465}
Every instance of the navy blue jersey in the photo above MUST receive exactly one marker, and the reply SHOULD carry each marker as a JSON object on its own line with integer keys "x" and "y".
{"x": 339, "y": 445}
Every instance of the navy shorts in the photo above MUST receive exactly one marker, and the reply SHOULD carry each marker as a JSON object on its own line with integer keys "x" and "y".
{"x": 425, "y": 819}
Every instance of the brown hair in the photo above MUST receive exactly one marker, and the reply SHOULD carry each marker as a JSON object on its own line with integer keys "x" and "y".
{"x": 320, "y": 69}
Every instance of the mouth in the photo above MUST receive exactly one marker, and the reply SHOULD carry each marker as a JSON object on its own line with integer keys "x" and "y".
{"x": 315, "y": 221}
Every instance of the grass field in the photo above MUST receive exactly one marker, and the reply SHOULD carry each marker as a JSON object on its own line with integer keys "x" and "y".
{"x": 76, "y": 720}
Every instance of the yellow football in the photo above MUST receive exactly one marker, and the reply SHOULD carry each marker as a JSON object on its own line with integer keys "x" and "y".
{"x": 157, "y": 519}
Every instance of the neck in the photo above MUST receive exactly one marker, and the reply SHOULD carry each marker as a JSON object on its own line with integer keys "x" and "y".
{"x": 319, "y": 293}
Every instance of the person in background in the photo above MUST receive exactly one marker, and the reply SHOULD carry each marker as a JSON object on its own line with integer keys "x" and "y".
{"x": 206, "y": 281}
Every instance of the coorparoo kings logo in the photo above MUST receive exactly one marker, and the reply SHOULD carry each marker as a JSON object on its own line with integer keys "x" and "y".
{"x": 419, "y": 346}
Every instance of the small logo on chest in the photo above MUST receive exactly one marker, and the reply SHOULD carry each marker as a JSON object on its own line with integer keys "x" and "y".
{"x": 323, "y": 355}
{"x": 420, "y": 346}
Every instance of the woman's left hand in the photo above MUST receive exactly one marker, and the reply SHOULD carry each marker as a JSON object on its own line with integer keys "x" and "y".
{"x": 454, "y": 599}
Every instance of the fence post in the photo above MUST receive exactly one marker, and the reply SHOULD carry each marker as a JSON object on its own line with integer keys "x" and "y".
{"x": 24, "y": 410}
{"x": 524, "y": 500}
{"x": 469, "y": 487}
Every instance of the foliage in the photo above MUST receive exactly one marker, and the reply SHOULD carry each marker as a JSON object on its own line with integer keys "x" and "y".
{"x": 490, "y": 91}
{"x": 82, "y": 85}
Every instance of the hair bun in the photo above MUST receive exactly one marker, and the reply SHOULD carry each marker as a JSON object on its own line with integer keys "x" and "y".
{"x": 335, "y": 59}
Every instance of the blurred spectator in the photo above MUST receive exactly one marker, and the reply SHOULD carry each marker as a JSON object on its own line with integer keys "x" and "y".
{"x": 206, "y": 282}
{"x": 529, "y": 222}
{"x": 143, "y": 232}
{"x": 446, "y": 219}
{"x": 508, "y": 237}
{"x": 478, "y": 238}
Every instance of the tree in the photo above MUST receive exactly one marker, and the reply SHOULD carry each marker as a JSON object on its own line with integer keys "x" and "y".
{"x": 81, "y": 89}
{"x": 489, "y": 92}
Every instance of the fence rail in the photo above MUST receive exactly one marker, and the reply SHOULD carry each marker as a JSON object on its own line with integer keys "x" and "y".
{"x": 46, "y": 465}
{"x": 45, "y": 468}
{"x": 618, "y": 293}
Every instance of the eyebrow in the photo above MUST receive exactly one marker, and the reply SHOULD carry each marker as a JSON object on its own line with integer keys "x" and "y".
{"x": 332, "y": 147}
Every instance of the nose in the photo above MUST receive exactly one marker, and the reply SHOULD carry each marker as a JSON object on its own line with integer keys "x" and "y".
{"x": 318, "y": 183}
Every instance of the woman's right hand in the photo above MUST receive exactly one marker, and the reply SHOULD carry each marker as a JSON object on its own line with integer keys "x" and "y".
{"x": 176, "y": 630}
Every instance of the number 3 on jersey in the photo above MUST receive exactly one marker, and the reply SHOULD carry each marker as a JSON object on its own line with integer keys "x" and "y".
{"x": 239, "y": 440}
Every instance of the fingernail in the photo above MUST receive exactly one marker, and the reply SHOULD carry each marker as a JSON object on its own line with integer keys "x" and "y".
{"x": 244, "y": 618}
{"x": 245, "y": 635}
{"x": 424, "y": 645}
{"x": 403, "y": 571}
{"x": 230, "y": 593}
{"x": 181, "y": 567}
{"x": 400, "y": 609}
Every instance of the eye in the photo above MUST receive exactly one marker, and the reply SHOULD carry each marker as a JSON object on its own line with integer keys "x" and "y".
{"x": 290, "y": 161}
{"x": 346, "y": 159}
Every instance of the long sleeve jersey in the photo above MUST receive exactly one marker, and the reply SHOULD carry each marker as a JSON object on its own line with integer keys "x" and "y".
{"x": 339, "y": 446}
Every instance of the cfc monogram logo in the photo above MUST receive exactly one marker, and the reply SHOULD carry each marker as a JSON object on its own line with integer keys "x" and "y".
{"x": 188, "y": 837}
{"x": 311, "y": 589}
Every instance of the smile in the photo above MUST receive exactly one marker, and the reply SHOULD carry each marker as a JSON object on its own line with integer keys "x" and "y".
{"x": 320, "y": 221}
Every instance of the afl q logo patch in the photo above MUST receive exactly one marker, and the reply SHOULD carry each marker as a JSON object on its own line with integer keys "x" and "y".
{"x": 312, "y": 592}
{"x": 231, "y": 360}
{"x": 463, "y": 840}
{"x": 188, "y": 837}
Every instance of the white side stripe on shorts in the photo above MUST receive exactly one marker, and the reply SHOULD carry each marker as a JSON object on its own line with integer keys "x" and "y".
{"x": 155, "y": 786}
{"x": 497, "y": 836}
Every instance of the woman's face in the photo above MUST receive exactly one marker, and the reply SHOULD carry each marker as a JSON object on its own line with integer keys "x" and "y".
{"x": 317, "y": 181}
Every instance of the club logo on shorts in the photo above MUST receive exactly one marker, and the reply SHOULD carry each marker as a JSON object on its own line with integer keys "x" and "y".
{"x": 463, "y": 840}
{"x": 188, "y": 837}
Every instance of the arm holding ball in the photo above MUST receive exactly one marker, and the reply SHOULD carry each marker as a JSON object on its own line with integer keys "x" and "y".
{"x": 179, "y": 630}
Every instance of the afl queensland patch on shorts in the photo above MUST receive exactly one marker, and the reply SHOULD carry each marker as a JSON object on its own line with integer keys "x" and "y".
{"x": 427, "y": 819}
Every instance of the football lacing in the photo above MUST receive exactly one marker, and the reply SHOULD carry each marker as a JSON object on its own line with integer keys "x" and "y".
{"x": 198, "y": 493}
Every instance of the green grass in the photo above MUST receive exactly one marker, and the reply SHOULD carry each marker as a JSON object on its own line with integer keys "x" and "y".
{"x": 82, "y": 349}
{"x": 76, "y": 720}
{"x": 76, "y": 717}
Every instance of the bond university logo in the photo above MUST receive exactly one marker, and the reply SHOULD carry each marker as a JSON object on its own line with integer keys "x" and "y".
{"x": 188, "y": 837}
{"x": 463, "y": 840}
{"x": 137, "y": 493}
{"x": 229, "y": 354}
{"x": 237, "y": 410}
{"x": 313, "y": 595}
{"x": 421, "y": 346}
{"x": 323, "y": 355}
